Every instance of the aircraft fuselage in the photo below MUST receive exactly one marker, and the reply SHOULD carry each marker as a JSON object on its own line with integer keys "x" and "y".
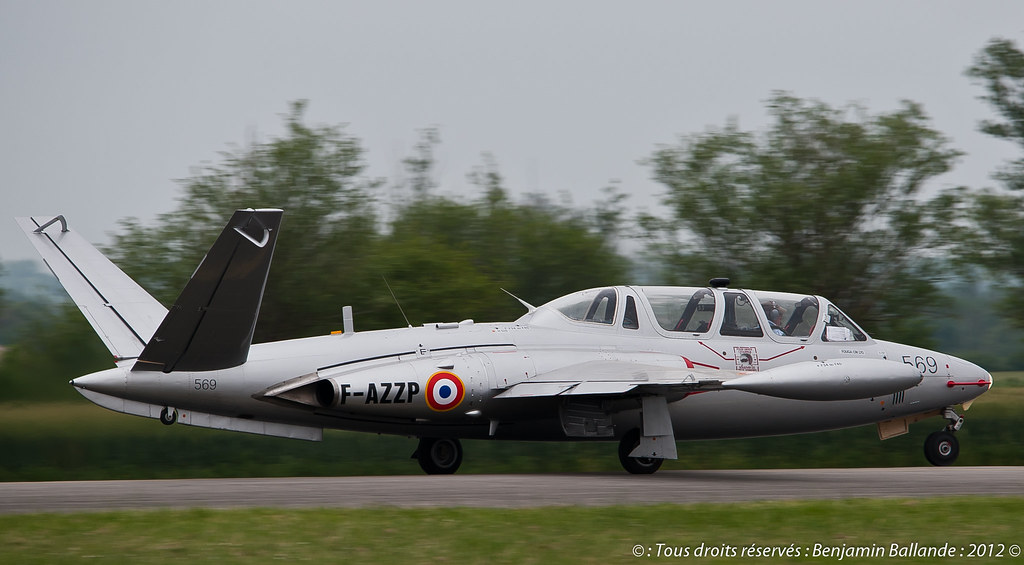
{"x": 380, "y": 382}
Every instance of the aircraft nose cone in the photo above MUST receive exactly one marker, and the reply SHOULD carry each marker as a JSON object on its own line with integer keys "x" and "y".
{"x": 110, "y": 382}
{"x": 968, "y": 375}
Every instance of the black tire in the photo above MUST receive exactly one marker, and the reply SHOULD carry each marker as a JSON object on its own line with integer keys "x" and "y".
{"x": 636, "y": 465}
{"x": 941, "y": 448}
{"x": 168, "y": 417}
{"x": 439, "y": 456}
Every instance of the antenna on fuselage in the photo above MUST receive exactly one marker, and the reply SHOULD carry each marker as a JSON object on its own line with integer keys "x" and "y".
{"x": 719, "y": 282}
{"x": 396, "y": 300}
{"x": 530, "y": 308}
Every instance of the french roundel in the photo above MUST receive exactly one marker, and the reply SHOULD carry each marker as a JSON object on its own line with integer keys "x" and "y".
{"x": 445, "y": 391}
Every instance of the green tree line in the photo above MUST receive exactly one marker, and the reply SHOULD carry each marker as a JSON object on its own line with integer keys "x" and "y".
{"x": 827, "y": 200}
{"x": 445, "y": 259}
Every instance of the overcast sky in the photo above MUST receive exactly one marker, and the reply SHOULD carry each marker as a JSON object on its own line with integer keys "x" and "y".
{"x": 104, "y": 104}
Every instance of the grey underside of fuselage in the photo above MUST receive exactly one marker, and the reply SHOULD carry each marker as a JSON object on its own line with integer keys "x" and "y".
{"x": 712, "y": 415}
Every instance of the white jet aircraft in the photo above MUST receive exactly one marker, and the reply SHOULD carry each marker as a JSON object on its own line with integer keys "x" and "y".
{"x": 644, "y": 365}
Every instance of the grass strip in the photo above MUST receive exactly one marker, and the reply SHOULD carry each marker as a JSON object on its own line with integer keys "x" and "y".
{"x": 497, "y": 536}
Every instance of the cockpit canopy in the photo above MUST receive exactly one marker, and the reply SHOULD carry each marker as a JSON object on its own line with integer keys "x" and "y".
{"x": 680, "y": 311}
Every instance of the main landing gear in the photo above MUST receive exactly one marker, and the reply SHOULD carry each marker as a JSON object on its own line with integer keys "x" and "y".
{"x": 941, "y": 447}
{"x": 439, "y": 456}
{"x": 636, "y": 465}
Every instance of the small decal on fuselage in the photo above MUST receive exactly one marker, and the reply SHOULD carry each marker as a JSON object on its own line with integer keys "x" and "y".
{"x": 445, "y": 391}
{"x": 746, "y": 358}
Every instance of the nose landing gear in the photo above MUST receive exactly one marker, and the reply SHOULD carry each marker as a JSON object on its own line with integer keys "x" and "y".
{"x": 942, "y": 448}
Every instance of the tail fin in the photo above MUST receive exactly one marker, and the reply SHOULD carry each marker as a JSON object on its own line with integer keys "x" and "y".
{"x": 211, "y": 324}
{"x": 121, "y": 312}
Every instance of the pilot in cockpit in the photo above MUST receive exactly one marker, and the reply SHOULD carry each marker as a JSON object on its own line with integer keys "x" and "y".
{"x": 773, "y": 312}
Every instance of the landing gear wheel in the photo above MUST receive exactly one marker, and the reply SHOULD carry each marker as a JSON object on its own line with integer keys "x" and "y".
{"x": 636, "y": 465}
{"x": 439, "y": 456}
{"x": 941, "y": 448}
{"x": 168, "y": 416}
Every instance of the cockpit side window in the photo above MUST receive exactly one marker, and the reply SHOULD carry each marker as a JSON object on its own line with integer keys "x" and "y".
{"x": 840, "y": 328}
{"x": 630, "y": 320}
{"x": 740, "y": 317}
{"x": 595, "y": 305}
{"x": 602, "y": 309}
{"x": 699, "y": 311}
{"x": 682, "y": 309}
{"x": 789, "y": 315}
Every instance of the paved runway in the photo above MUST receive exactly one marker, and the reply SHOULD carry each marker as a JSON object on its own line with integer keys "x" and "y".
{"x": 512, "y": 490}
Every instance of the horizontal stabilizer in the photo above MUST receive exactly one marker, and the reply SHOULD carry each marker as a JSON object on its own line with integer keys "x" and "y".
{"x": 121, "y": 312}
{"x": 211, "y": 324}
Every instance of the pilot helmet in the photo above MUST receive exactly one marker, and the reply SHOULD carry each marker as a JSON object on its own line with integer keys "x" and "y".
{"x": 772, "y": 311}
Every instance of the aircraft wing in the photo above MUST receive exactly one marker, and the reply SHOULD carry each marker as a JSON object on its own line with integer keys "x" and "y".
{"x": 619, "y": 378}
{"x": 834, "y": 379}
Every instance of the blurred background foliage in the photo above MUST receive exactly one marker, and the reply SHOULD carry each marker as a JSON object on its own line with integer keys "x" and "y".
{"x": 831, "y": 201}
{"x": 825, "y": 201}
{"x": 996, "y": 240}
{"x": 444, "y": 258}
